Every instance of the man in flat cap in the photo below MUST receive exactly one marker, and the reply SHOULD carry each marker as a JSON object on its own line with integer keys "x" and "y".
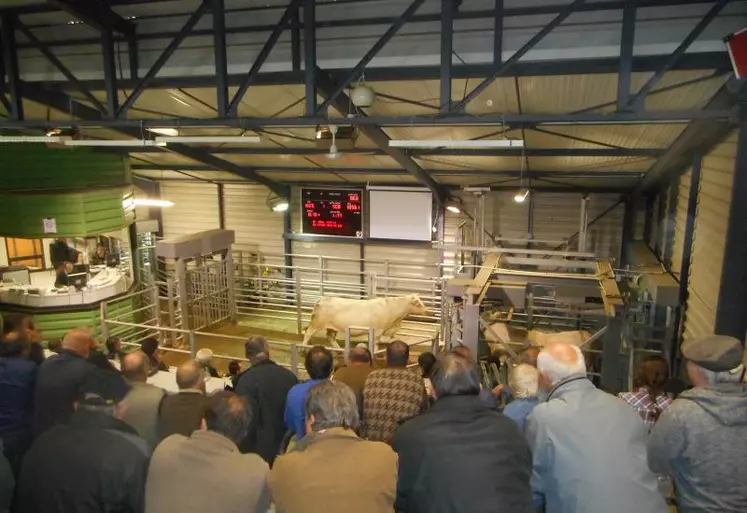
{"x": 701, "y": 439}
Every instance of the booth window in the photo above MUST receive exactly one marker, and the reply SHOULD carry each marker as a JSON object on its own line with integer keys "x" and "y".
{"x": 25, "y": 252}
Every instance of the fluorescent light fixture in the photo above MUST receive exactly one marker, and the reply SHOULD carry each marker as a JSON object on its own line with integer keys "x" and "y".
{"x": 29, "y": 139}
{"x": 171, "y": 132}
{"x": 277, "y": 204}
{"x": 146, "y": 202}
{"x": 281, "y": 207}
{"x": 113, "y": 143}
{"x": 520, "y": 196}
{"x": 209, "y": 139}
{"x": 487, "y": 144}
{"x": 453, "y": 209}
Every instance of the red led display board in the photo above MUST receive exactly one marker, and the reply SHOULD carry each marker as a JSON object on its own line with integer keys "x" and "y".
{"x": 332, "y": 212}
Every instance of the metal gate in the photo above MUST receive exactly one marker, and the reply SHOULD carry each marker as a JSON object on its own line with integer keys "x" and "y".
{"x": 207, "y": 290}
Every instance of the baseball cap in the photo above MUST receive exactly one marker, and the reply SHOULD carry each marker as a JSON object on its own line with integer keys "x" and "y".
{"x": 716, "y": 353}
{"x": 102, "y": 388}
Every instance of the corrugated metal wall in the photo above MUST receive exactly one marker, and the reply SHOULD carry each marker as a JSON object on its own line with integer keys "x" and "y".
{"x": 257, "y": 227}
{"x": 714, "y": 200}
{"x": 195, "y": 208}
{"x": 680, "y": 222}
{"x": 604, "y": 237}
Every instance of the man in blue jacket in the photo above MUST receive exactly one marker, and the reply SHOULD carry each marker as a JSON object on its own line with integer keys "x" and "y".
{"x": 589, "y": 447}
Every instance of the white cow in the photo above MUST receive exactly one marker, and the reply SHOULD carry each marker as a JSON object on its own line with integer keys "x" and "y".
{"x": 384, "y": 315}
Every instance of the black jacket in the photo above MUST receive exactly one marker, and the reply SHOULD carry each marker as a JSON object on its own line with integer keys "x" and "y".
{"x": 57, "y": 386}
{"x": 461, "y": 456}
{"x": 100, "y": 360}
{"x": 93, "y": 464}
{"x": 265, "y": 385}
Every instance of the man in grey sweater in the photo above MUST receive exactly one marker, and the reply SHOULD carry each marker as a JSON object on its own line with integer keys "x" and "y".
{"x": 700, "y": 439}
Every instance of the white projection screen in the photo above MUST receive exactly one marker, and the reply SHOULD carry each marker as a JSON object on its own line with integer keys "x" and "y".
{"x": 399, "y": 214}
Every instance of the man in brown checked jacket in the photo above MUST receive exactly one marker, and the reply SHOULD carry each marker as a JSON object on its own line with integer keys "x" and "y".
{"x": 391, "y": 395}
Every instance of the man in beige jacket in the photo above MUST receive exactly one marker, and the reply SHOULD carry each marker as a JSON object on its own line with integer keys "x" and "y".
{"x": 206, "y": 472}
{"x": 331, "y": 470}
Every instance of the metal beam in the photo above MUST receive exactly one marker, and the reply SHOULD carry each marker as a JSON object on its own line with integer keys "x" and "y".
{"x": 309, "y": 52}
{"x": 731, "y": 312}
{"x": 296, "y": 40}
{"x": 516, "y": 120}
{"x": 383, "y": 40}
{"x": 503, "y": 68}
{"x": 661, "y": 216}
{"x": 447, "y": 42}
{"x": 221, "y": 60}
{"x": 203, "y": 156}
{"x": 264, "y": 53}
{"x": 343, "y": 104}
{"x": 10, "y": 57}
{"x": 110, "y": 75}
{"x": 698, "y": 138}
{"x": 637, "y": 100}
{"x": 96, "y": 14}
{"x": 627, "y": 40}
{"x": 52, "y": 58}
{"x": 132, "y": 53}
{"x": 687, "y": 248}
{"x": 163, "y": 58}
{"x": 498, "y": 33}
{"x": 668, "y": 246}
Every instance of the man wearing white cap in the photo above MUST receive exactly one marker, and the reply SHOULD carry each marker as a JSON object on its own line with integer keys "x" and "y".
{"x": 701, "y": 439}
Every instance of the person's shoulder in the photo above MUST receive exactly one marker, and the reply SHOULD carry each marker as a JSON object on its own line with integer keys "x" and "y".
{"x": 377, "y": 452}
{"x": 251, "y": 464}
{"x": 169, "y": 444}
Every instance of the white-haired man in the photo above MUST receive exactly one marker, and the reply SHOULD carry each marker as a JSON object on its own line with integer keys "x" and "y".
{"x": 524, "y": 383}
{"x": 700, "y": 440}
{"x": 589, "y": 447}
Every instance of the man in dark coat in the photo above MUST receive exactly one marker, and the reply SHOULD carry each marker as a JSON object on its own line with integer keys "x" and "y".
{"x": 265, "y": 384}
{"x": 59, "y": 380}
{"x": 93, "y": 464}
{"x": 461, "y": 455}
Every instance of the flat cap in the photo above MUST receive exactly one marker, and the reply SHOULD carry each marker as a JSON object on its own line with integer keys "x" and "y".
{"x": 716, "y": 353}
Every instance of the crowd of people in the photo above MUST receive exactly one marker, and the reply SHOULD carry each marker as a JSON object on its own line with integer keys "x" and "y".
{"x": 81, "y": 436}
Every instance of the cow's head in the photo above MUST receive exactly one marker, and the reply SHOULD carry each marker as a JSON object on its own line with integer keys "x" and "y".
{"x": 416, "y": 305}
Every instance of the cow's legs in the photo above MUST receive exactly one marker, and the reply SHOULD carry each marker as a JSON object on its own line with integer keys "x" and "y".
{"x": 311, "y": 330}
{"x": 332, "y": 338}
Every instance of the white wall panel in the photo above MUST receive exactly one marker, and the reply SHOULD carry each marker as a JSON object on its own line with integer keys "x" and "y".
{"x": 709, "y": 238}
{"x": 195, "y": 208}
{"x": 257, "y": 227}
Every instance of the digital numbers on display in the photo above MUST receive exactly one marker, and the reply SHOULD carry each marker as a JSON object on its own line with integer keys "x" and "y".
{"x": 332, "y": 212}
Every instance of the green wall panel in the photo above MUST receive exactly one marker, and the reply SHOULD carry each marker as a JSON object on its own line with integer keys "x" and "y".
{"x": 31, "y": 167}
{"x": 77, "y": 214}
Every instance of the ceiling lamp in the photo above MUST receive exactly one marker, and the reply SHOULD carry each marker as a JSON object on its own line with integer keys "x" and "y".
{"x": 210, "y": 139}
{"x": 277, "y": 203}
{"x": 146, "y": 202}
{"x": 453, "y": 208}
{"x": 362, "y": 96}
{"x": 465, "y": 144}
{"x": 171, "y": 132}
{"x": 333, "y": 154}
{"x": 520, "y": 196}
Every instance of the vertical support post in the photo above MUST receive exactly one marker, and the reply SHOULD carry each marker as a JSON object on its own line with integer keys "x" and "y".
{"x": 192, "y": 344}
{"x": 440, "y": 237}
{"x": 660, "y": 225}
{"x": 482, "y": 220}
{"x": 299, "y": 298}
{"x": 498, "y": 34}
{"x": 583, "y": 223}
{"x": 628, "y": 229}
{"x": 362, "y": 269}
{"x": 627, "y": 40}
{"x": 387, "y": 274}
{"x": 103, "y": 314}
{"x": 132, "y": 53}
{"x": 372, "y": 285}
{"x": 647, "y": 221}
{"x": 731, "y": 312}
{"x": 287, "y": 245}
{"x": 530, "y": 220}
{"x": 181, "y": 277}
{"x": 221, "y": 60}
{"x": 155, "y": 299}
{"x": 294, "y": 359}
{"x": 692, "y": 210}
{"x": 321, "y": 275}
{"x": 668, "y": 246}
{"x": 172, "y": 308}
{"x": 110, "y": 74}
{"x": 260, "y": 285}
{"x": 346, "y": 354}
{"x": 221, "y": 207}
{"x": 447, "y": 42}
{"x": 295, "y": 40}
{"x": 231, "y": 284}
{"x": 309, "y": 49}
{"x": 611, "y": 379}
{"x": 10, "y": 56}
{"x": 372, "y": 343}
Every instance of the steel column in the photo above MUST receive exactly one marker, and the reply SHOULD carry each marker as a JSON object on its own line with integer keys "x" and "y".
{"x": 163, "y": 58}
{"x": 383, "y": 40}
{"x": 264, "y": 53}
{"x": 518, "y": 55}
{"x": 296, "y": 40}
{"x": 661, "y": 215}
{"x": 110, "y": 74}
{"x": 647, "y": 220}
{"x": 221, "y": 60}
{"x": 638, "y": 99}
{"x": 731, "y": 313}
{"x": 221, "y": 207}
{"x": 10, "y": 56}
{"x": 447, "y": 41}
{"x": 309, "y": 52}
{"x": 498, "y": 33}
{"x": 687, "y": 249}
{"x": 132, "y": 54}
{"x": 287, "y": 245}
{"x": 626, "y": 54}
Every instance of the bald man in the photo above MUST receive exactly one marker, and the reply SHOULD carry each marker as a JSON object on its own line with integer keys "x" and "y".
{"x": 184, "y": 412}
{"x": 59, "y": 380}
{"x": 143, "y": 400}
{"x": 355, "y": 374}
{"x": 589, "y": 447}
